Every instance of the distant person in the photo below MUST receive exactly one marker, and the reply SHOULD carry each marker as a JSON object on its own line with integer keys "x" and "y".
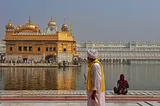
{"x": 122, "y": 86}
{"x": 95, "y": 80}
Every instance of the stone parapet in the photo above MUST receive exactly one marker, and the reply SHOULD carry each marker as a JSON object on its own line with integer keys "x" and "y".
{"x": 34, "y": 65}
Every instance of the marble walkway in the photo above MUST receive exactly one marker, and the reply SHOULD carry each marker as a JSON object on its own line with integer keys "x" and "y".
{"x": 71, "y": 92}
{"x": 75, "y": 98}
{"x": 76, "y": 103}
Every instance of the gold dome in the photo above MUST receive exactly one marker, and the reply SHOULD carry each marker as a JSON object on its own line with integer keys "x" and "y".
{"x": 64, "y": 27}
{"x": 51, "y": 23}
{"x": 17, "y": 28}
{"x": 9, "y": 25}
{"x": 29, "y": 25}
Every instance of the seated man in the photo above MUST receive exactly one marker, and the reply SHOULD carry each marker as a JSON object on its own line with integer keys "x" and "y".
{"x": 122, "y": 86}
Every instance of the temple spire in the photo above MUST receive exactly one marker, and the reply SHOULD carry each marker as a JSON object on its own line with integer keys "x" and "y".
{"x": 9, "y": 21}
{"x": 71, "y": 29}
{"x": 29, "y": 21}
{"x": 65, "y": 19}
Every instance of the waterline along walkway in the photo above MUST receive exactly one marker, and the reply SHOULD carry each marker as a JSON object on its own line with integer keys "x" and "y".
{"x": 38, "y": 65}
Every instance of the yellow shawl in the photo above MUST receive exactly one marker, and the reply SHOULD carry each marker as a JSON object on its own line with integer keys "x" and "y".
{"x": 89, "y": 77}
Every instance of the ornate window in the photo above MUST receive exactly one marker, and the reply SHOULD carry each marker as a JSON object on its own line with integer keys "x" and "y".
{"x": 20, "y": 48}
{"x": 46, "y": 49}
{"x": 11, "y": 49}
{"x": 54, "y": 49}
{"x": 50, "y": 49}
{"x": 64, "y": 49}
{"x": 25, "y": 48}
{"x": 30, "y": 48}
{"x": 39, "y": 49}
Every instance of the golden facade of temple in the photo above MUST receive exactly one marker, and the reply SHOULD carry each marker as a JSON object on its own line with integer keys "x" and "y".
{"x": 27, "y": 42}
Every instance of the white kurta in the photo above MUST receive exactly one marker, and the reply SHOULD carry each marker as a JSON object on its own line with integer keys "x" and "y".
{"x": 96, "y": 85}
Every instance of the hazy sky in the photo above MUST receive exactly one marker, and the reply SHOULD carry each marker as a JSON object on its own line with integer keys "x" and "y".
{"x": 94, "y": 20}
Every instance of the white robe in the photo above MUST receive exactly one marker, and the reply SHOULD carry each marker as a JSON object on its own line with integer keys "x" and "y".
{"x": 96, "y": 85}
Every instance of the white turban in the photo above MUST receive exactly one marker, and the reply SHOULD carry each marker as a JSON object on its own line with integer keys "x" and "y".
{"x": 91, "y": 53}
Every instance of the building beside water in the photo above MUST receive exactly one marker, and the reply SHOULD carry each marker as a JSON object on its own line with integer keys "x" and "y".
{"x": 28, "y": 43}
{"x": 2, "y": 50}
{"x": 119, "y": 52}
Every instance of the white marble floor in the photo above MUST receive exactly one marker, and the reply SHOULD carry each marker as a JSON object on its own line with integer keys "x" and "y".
{"x": 69, "y": 92}
{"x": 75, "y": 103}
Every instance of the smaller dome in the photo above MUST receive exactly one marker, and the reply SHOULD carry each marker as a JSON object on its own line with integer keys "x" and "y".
{"x": 17, "y": 28}
{"x": 9, "y": 25}
{"x": 64, "y": 27}
{"x": 51, "y": 23}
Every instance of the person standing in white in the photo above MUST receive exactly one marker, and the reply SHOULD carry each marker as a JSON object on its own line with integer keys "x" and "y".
{"x": 95, "y": 80}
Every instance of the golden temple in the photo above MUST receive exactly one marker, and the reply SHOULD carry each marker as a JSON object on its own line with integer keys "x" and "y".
{"x": 27, "y": 42}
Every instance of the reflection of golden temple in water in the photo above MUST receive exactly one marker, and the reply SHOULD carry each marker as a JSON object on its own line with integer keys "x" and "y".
{"x": 66, "y": 79}
{"x": 38, "y": 79}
